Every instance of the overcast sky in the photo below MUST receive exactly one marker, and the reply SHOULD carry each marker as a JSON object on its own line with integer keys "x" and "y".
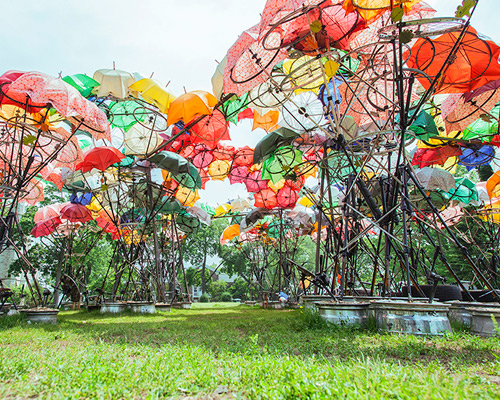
{"x": 177, "y": 40}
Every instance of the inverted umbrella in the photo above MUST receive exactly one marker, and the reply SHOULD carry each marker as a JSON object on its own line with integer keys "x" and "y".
{"x": 302, "y": 113}
{"x": 474, "y": 157}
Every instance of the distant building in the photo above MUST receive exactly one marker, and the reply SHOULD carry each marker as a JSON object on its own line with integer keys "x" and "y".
{"x": 195, "y": 291}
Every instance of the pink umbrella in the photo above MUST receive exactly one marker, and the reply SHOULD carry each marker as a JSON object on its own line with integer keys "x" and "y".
{"x": 44, "y": 89}
{"x": 287, "y": 197}
{"x": 47, "y": 212}
{"x": 76, "y": 213}
{"x": 248, "y": 63}
{"x": 238, "y": 174}
{"x": 254, "y": 182}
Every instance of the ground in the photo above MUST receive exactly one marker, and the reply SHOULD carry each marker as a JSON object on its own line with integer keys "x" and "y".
{"x": 226, "y": 352}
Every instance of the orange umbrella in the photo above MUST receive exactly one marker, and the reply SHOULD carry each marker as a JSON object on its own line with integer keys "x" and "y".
{"x": 266, "y": 198}
{"x": 474, "y": 64}
{"x": 189, "y": 105}
{"x": 268, "y": 121}
{"x": 210, "y": 130}
{"x": 230, "y": 233}
{"x": 493, "y": 185}
{"x": 372, "y": 9}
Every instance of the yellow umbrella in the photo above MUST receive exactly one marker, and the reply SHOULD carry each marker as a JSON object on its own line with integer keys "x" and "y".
{"x": 153, "y": 92}
{"x": 222, "y": 209}
{"x": 186, "y": 196}
{"x": 219, "y": 169}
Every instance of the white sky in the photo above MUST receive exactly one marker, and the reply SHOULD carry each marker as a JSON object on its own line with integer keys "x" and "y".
{"x": 177, "y": 40}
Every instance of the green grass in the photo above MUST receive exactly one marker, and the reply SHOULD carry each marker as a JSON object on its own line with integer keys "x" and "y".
{"x": 237, "y": 352}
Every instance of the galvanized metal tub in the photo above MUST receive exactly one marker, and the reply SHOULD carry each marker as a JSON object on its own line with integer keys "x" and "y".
{"x": 482, "y": 321}
{"x": 461, "y": 311}
{"x": 182, "y": 304}
{"x": 411, "y": 318}
{"x": 113, "y": 308}
{"x": 41, "y": 316}
{"x": 344, "y": 313}
{"x": 142, "y": 307}
{"x": 309, "y": 300}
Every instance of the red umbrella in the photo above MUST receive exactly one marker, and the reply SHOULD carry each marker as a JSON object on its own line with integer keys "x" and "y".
{"x": 46, "y": 227}
{"x": 210, "y": 130}
{"x": 437, "y": 156}
{"x": 203, "y": 156}
{"x": 287, "y": 197}
{"x": 100, "y": 158}
{"x": 222, "y": 152}
{"x": 243, "y": 156}
{"x": 76, "y": 213}
{"x": 266, "y": 198}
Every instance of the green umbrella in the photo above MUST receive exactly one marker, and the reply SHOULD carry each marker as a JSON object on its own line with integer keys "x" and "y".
{"x": 483, "y": 129}
{"x": 233, "y": 107}
{"x": 190, "y": 179}
{"x": 83, "y": 83}
{"x": 465, "y": 192}
{"x": 125, "y": 114}
{"x": 187, "y": 223}
{"x": 269, "y": 143}
{"x": 170, "y": 161}
{"x": 424, "y": 126}
{"x": 208, "y": 208}
{"x": 169, "y": 206}
{"x": 281, "y": 162}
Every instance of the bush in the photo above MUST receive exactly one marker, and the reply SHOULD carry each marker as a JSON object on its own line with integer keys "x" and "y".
{"x": 226, "y": 296}
{"x": 204, "y": 298}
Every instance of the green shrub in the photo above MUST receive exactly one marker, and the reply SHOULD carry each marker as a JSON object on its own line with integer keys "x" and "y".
{"x": 204, "y": 298}
{"x": 226, "y": 296}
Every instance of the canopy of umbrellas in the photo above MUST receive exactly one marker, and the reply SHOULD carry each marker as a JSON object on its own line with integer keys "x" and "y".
{"x": 318, "y": 75}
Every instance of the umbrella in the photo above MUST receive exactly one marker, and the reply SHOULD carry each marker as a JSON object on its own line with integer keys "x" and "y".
{"x": 218, "y": 79}
{"x": 437, "y": 156}
{"x": 187, "y": 223}
{"x": 140, "y": 140}
{"x": 254, "y": 182}
{"x": 266, "y": 198}
{"x": 239, "y": 204}
{"x": 465, "y": 191}
{"x": 474, "y": 157}
{"x": 113, "y": 82}
{"x": 210, "y": 130}
{"x": 268, "y": 121}
{"x": 170, "y": 161}
{"x": 76, "y": 213}
{"x": 46, "y": 227}
{"x": 219, "y": 169}
{"x": 84, "y": 199}
{"x": 190, "y": 179}
{"x": 243, "y": 156}
{"x": 222, "y": 152}
{"x": 249, "y": 63}
{"x": 83, "y": 83}
{"x": 287, "y": 197}
{"x": 270, "y": 94}
{"x": 201, "y": 214}
{"x": 186, "y": 196}
{"x": 203, "y": 156}
{"x": 47, "y": 212}
{"x": 435, "y": 178}
{"x": 493, "y": 185}
{"x": 233, "y": 107}
{"x": 169, "y": 206}
{"x": 153, "y": 92}
{"x": 451, "y": 216}
{"x": 373, "y": 9}
{"x": 190, "y": 105}
{"x": 269, "y": 143}
{"x": 127, "y": 113}
{"x": 229, "y": 233}
{"x": 238, "y": 174}
{"x": 474, "y": 64}
{"x": 280, "y": 163}
{"x": 44, "y": 89}
{"x": 485, "y": 129}
{"x": 100, "y": 158}
{"x": 302, "y": 113}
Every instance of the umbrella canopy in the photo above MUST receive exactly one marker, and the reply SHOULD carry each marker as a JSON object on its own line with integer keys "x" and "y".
{"x": 186, "y": 196}
{"x": 218, "y": 79}
{"x": 475, "y": 63}
{"x": 46, "y": 227}
{"x": 201, "y": 214}
{"x": 100, "y": 158}
{"x": 437, "y": 156}
{"x": 83, "y": 83}
{"x": 210, "y": 130}
{"x": 154, "y": 93}
{"x": 113, "y": 82}
{"x": 229, "y": 233}
{"x": 187, "y": 223}
{"x": 219, "y": 169}
{"x": 84, "y": 198}
{"x": 280, "y": 163}
{"x": 266, "y": 198}
{"x": 269, "y": 143}
{"x": 474, "y": 157}
{"x": 493, "y": 185}
{"x": 190, "y": 105}
{"x": 239, "y": 204}
{"x": 170, "y": 161}
{"x": 287, "y": 197}
{"x": 140, "y": 140}
{"x": 47, "y": 212}
{"x": 76, "y": 213}
{"x": 243, "y": 156}
{"x": 465, "y": 191}
{"x": 303, "y": 113}
{"x": 435, "y": 179}
{"x": 127, "y": 113}
{"x": 249, "y": 63}
{"x": 254, "y": 182}
{"x": 238, "y": 174}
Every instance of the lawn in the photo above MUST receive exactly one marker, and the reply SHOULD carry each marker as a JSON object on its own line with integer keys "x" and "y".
{"x": 237, "y": 352}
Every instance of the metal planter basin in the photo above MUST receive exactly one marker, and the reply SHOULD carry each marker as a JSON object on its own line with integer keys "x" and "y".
{"x": 41, "y": 316}
{"x": 113, "y": 308}
{"x": 411, "y": 318}
{"x": 310, "y": 300}
{"x": 461, "y": 311}
{"x": 142, "y": 307}
{"x": 344, "y": 313}
{"x": 182, "y": 305}
{"x": 482, "y": 321}
{"x": 163, "y": 307}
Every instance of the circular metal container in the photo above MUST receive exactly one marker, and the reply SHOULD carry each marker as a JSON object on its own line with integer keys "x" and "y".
{"x": 344, "y": 313}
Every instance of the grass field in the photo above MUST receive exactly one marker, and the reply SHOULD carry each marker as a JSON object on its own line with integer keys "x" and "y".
{"x": 237, "y": 352}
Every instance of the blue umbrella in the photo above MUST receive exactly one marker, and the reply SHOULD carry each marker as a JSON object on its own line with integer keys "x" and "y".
{"x": 84, "y": 198}
{"x": 335, "y": 94}
{"x": 473, "y": 158}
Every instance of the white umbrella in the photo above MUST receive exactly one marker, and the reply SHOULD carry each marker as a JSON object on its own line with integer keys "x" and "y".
{"x": 113, "y": 82}
{"x": 140, "y": 140}
{"x": 435, "y": 178}
{"x": 303, "y": 113}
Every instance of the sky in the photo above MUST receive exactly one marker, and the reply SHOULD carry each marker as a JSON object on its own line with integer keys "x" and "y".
{"x": 177, "y": 41}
